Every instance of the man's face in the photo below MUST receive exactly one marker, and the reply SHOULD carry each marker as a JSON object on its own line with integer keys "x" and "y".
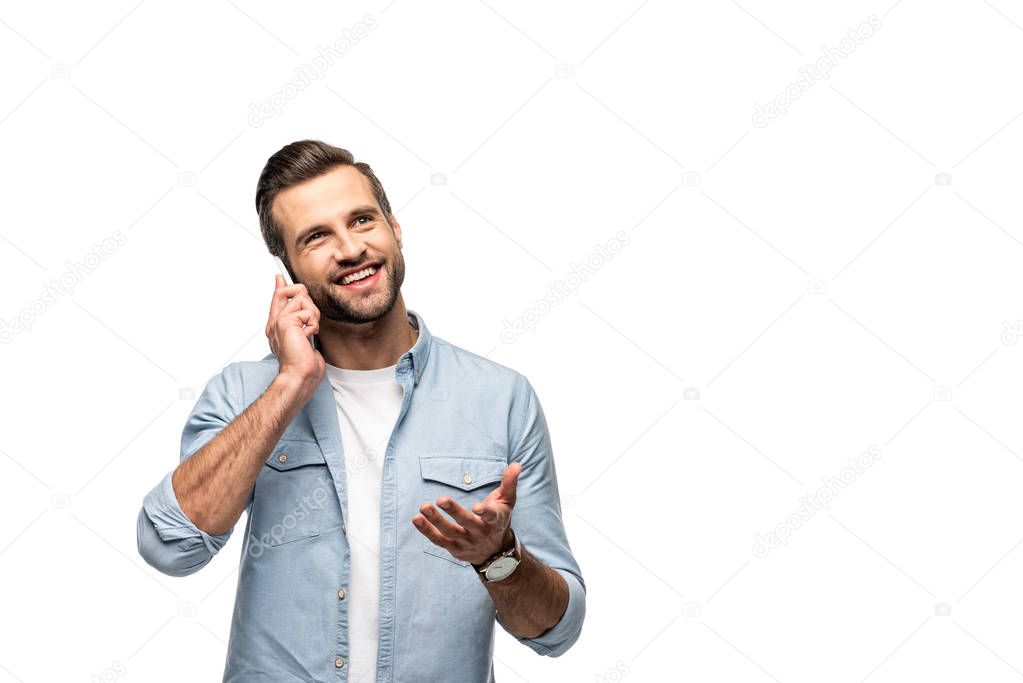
{"x": 331, "y": 225}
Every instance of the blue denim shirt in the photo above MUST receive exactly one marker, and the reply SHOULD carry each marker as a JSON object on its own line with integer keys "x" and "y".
{"x": 463, "y": 419}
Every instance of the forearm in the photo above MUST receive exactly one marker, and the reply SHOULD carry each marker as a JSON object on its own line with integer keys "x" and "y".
{"x": 213, "y": 485}
{"x": 531, "y": 600}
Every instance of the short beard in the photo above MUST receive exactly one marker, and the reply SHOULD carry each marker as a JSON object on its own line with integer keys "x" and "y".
{"x": 334, "y": 308}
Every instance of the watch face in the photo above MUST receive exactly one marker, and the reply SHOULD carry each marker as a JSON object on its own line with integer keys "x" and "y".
{"x": 501, "y": 567}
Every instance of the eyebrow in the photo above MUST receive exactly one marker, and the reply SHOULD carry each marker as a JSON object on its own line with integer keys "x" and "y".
{"x": 357, "y": 211}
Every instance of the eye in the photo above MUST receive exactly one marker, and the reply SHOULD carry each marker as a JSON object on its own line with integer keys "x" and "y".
{"x": 311, "y": 237}
{"x": 367, "y": 217}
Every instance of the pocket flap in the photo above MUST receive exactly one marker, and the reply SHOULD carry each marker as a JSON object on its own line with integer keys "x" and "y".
{"x": 463, "y": 472}
{"x": 287, "y": 455}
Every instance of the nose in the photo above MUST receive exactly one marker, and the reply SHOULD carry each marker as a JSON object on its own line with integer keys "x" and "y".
{"x": 348, "y": 248}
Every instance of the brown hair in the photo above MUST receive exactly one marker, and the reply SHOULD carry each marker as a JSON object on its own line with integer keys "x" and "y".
{"x": 294, "y": 164}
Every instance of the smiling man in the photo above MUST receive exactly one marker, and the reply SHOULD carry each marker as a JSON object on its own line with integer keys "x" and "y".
{"x": 401, "y": 491}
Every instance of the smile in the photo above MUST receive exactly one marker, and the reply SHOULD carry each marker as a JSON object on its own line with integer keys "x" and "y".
{"x": 367, "y": 277}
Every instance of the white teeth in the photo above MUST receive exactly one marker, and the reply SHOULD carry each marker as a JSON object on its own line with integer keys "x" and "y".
{"x": 358, "y": 276}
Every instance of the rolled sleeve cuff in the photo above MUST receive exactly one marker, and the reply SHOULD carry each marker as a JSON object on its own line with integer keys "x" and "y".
{"x": 171, "y": 523}
{"x": 556, "y": 640}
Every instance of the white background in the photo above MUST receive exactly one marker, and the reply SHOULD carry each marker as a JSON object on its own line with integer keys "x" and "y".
{"x": 794, "y": 294}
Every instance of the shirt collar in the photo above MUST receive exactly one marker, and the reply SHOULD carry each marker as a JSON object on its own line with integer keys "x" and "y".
{"x": 419, "y": 354}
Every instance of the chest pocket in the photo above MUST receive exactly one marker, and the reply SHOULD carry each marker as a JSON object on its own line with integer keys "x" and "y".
{"x": 464, "y": 477}
{"x": 294, "y": 497}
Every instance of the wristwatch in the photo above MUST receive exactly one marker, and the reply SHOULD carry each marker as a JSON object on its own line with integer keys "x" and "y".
{"x": 500, "y": 565}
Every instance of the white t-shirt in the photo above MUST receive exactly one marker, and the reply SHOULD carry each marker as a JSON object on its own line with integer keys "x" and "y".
{"x": 368, "y": 402}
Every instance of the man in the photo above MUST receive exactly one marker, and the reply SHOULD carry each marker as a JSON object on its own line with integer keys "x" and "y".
{"x": 401, "y": 491}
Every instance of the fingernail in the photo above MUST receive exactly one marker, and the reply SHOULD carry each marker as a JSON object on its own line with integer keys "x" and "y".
{"x": 445, "y": 505}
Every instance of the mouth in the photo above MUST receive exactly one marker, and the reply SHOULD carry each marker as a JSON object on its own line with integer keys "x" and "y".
{"x": 367, "y": 277}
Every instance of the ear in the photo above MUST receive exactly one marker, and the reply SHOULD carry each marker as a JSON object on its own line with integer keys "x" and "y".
{"x": 396, "y": 229}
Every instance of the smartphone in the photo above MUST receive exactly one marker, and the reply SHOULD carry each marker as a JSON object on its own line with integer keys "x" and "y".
{"x": 288, "y": 281}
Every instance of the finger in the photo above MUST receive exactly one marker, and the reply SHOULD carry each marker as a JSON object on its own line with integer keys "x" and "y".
{"x": 303, "y": 320}
{"x": 430, "y": 531}
{"x": 469, "y": 520}
{"x": 290, "y": 291}
{"x": 301, "y": 304}
{"x": 276, "y": 302}
{"x": 308, "y": 317}
{"x": 296, "y": 305}
{"x": 443, "y": 524}
{"x": 487, "y": 513}
{"x": 282, "y": 292}
{"x": 509, "y": 482}
{"x": 296, "y": 302}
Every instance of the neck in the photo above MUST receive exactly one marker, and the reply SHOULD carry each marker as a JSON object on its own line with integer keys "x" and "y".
{"x": 368, "y": 346}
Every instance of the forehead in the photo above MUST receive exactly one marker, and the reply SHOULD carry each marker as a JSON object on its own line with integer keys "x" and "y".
{"x": 322, "y": 199}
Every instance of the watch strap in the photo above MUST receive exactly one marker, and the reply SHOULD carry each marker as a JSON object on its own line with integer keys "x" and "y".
{"x": 514, "y": 550}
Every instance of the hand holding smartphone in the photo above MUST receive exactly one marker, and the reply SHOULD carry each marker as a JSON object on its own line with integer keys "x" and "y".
{"x": 288, "y": 281}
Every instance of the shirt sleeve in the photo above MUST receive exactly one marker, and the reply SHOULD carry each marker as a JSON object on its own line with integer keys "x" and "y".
{"x": 167, "y": 538}
{"x": 537, "y": 521}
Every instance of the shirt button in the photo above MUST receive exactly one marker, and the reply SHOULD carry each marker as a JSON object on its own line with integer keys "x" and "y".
{"x": 339, "y": 662}
{"x": 282, "y": 458}
{"x": 467, "y": 478}
{"x": 341, "y": 593}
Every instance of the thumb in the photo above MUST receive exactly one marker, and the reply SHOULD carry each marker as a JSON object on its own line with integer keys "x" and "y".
{"x": 509, "y": 481}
